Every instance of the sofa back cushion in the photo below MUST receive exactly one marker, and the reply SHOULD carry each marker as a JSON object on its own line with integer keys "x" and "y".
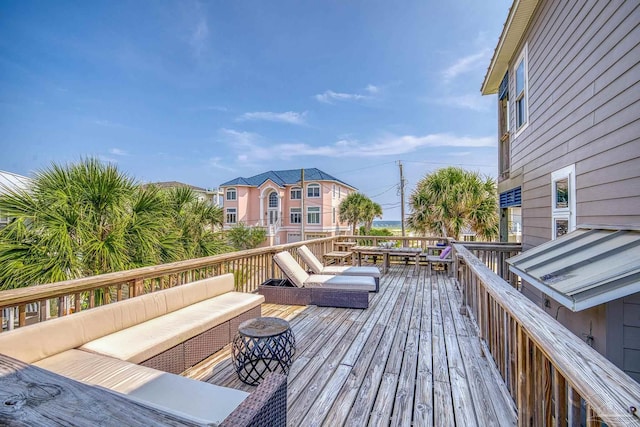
{"x": 35, "y": 342}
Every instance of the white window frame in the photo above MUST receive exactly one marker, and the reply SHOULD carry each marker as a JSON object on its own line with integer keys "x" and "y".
{"x": 295, "y": 191}
{"x": 313, "y": 210}
{"x": 231, "y": 191}
{"x": 568, "y": 213}
{"x": 273, "y": 197}
{"x": 339, "y": 192}
{"x": 334, "y": 191}
{"x": 310, "y": 187}
{"x": 333, "y": 213}
{"x": 298, "y": 213}
{"x": 228, "y": 213}
{"x": 523, "y": 57}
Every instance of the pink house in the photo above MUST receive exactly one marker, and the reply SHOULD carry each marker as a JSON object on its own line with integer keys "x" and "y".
{"x": 277, "y": 201}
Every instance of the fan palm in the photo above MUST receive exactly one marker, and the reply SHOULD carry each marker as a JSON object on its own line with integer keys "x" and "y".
{"x": 452, "y": 199}
{"x": 357, "y": 208}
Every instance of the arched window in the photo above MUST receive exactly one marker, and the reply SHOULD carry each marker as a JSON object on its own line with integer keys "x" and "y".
{"x": 273, "y": 200}
{"x": 296, "y": 193}
{"x": 313, "y": 190}
{"x": 231, "y": 194}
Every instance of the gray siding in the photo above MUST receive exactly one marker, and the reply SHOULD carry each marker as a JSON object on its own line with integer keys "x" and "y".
{"x": 584, "y": 108}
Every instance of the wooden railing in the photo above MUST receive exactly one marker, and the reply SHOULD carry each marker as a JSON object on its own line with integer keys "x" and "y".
{"x": 549, "y": 372}
{"x": 494, "y": 255}
{"x": 38, "y": 303}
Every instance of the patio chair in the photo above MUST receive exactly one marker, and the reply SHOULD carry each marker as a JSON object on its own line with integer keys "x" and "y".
{"x": 343, "y": 270}
{"x": 300, "y": 278}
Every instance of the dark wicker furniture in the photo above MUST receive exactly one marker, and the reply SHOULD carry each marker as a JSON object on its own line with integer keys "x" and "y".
{"x": 262, "y": 346}
{"x": 282, "y": 291}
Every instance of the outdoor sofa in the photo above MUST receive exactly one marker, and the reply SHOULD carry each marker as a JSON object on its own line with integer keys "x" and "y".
{"x": 322, "y": 290}
{"x": 344, "y": 270}
{"x": 137, "y": 346}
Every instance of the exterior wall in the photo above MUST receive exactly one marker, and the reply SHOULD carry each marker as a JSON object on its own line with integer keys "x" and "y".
{"x": 584, "y": 109}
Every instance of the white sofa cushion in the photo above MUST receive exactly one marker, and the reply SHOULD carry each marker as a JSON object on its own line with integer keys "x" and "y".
{"x": 35, "y": 342}
{"x": 195, "y": 400}
{"x": 145, "y": 340}
{"x": 347, "y": 270}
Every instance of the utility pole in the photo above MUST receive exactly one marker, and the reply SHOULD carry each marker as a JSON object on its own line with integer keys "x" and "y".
{"x": 401, "y": 196}
{"x": 302, "y": 204}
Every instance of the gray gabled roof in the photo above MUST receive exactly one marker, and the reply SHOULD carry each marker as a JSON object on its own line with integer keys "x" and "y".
{"x": 284, "y": 177}
{"x": 587, "y": 267}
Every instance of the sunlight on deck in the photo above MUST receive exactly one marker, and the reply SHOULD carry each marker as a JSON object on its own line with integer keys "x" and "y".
{"x": 411, "y": 358}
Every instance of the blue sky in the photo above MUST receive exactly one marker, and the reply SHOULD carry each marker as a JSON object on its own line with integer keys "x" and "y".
{"x": 203, "y": 92}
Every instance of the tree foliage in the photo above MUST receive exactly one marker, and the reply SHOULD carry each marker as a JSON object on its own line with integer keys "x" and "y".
{"x": 450, "y": 200}
{"x": 89, "y": 218}
{"x": 242, "y": 237}
{"x": 357, "y": 208}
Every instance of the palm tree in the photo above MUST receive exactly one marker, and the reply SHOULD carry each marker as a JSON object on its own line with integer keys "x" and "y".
{"x": 89, "y": 218}
{"x": 450, "y": 199}
{"x": 242, "y": 237}
{"x": 371, "y": 210}
{"x": 357, "y": 208}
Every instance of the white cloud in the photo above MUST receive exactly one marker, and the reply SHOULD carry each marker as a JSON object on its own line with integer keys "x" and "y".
{"x": 118, "y": 152}
{"x": 251, "y": 147}
{"x": 329, "y": 96}
{"x": 467, "y": 63}
{"x": 372, "y": 89}
{"x": 470, "y": 101}
{"x": 218, "y": 163}
{"x": 290, "y": 117}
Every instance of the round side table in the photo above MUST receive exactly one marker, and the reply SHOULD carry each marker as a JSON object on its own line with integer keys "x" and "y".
{"x": 262, "y": 345}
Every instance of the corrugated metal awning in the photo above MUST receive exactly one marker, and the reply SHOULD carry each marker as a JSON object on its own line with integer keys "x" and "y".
{"x": 587, "y": 267}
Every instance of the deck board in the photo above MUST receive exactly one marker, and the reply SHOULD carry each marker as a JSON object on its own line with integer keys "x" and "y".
{"x": 409, "y": 359}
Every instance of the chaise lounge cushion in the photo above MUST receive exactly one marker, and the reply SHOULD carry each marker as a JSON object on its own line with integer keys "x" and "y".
{"x": 318, "y": 268}
{"x": 196, "y": 400}
{"x": 300, "y": 278}
{"x": 347, "y": 283}
{"x": 145, "y": 340}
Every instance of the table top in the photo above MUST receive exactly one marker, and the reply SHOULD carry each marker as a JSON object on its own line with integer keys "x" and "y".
{"x": 381, "y": 249}
{"x": 338, "y": 253}
{"x": 262, "y": 327}
{"x": 33, "y": 396}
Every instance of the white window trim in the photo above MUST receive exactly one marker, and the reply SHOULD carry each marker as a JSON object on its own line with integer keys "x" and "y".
{"x": 291, "y": 212}
{"x": 314, "y": 186}
{"x": 524, "y": 55}
{"x": 229, "y": 211}
{"x": 235, "y": 192}
{"x": 291, "y": 193}
{"x": 568, "y": 213}
{"x": 316, "y": 209}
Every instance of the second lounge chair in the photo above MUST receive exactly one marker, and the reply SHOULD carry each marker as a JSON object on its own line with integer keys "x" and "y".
{"x": 344, "y": 270}
{"x": 301, "y": 278}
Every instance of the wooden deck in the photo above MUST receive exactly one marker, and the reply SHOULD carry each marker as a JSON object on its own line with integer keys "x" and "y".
{"x": 411, "y": 358}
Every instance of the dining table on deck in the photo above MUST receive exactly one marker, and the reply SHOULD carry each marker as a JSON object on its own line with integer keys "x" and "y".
{"x": 387, "y": 253}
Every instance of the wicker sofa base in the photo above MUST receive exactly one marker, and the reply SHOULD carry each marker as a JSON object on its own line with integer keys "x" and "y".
{"x": 186, "y": 354}
{"x": 285, "y": 295}
{"x": 265, "y": 406}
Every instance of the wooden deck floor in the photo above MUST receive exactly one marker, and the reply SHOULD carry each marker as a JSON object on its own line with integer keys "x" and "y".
{"x": 410, "y": 359}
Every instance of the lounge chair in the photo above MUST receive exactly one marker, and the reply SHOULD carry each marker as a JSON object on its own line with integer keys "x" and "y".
{"x": 300, "y": 278}
{"x": 344, "y": 270}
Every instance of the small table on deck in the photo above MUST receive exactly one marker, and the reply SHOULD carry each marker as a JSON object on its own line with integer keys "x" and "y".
{"x": 262, "y": 345}
{"x": 339, "y": 256}
{"x": 346, "y": 246}
{"x": 358, "y": 251}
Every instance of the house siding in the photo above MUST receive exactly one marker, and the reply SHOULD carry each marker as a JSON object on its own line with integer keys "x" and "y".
{"x": 584, "y": 109}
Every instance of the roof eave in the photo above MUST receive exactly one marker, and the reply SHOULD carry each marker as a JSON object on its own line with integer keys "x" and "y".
{"x": 514, "y": 28}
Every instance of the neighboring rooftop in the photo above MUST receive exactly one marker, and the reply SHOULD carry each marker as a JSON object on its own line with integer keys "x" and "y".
{"x": 285, "y": 177}
{"x": 13, "y": 181}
